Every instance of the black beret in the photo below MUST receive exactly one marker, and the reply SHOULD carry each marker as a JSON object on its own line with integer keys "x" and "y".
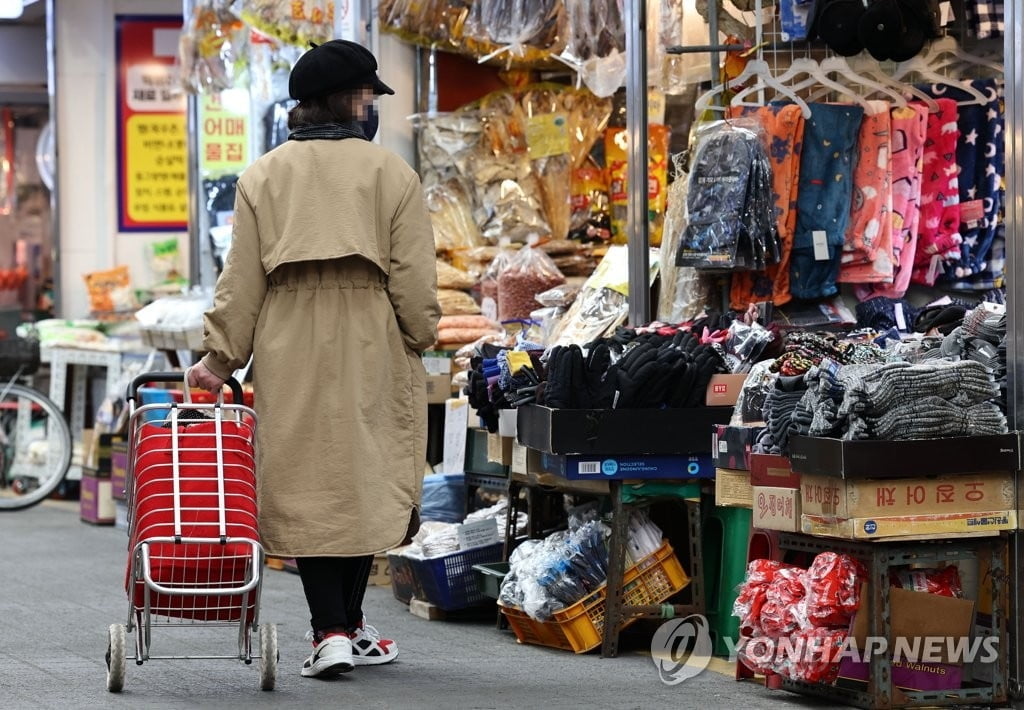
{"x": 835, "y": 22}
{"x": 333, "y": 66}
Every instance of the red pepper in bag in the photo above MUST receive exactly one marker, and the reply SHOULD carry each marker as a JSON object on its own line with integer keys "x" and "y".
{"x": 817, "y": 656}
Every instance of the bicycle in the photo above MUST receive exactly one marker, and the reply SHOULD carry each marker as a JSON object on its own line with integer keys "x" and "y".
{"x": 35, "y": 439}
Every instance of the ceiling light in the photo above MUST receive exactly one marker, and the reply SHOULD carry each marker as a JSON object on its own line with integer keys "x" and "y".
{"x": 10, "y": 9}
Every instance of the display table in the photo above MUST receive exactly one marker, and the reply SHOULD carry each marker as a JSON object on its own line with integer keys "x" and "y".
{"x": 668, "y": 439}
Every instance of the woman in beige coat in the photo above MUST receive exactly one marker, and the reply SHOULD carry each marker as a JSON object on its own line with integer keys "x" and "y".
{"x": 330, "y": 284}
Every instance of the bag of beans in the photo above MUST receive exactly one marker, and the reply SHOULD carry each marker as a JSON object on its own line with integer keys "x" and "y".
{"x": 530, "y": 272}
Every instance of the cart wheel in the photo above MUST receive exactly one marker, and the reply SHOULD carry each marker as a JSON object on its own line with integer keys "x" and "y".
{"x": 116, "y": 657}
{"x": 268, "y": 656}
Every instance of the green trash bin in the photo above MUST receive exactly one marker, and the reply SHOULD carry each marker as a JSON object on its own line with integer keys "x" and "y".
{"x": 724, "y": 536}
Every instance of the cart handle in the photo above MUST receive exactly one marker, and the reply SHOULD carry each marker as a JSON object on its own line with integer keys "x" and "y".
{"x": 175, "y": 377}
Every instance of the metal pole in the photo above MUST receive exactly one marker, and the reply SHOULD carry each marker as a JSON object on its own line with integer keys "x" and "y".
{"x": 51, "y": 87}
{"x": 200, "y": 259}
{"x": 1014, "y": 208}
{"x": 637, "y": 226}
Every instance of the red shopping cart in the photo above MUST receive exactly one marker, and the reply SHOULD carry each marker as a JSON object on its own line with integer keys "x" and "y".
{"x": 195, "y": 557}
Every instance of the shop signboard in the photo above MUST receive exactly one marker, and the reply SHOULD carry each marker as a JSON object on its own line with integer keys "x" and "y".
{"x": 223, "y": 133}
{"x": 152, "y": 142}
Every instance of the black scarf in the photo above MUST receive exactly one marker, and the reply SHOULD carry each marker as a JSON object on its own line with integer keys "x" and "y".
{"x": 328, "y": 131}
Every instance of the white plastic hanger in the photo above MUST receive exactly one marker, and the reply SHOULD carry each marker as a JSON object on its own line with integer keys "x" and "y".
{"x": 945, "y": 52}
{"x": 920, "y": 66}
{"x": 766, "y": 80}
{"x": 870, "y": 68}
{"x": 857, "y": 77}
{"x": 817, "y": 77}
{"x": 755, "y": 68}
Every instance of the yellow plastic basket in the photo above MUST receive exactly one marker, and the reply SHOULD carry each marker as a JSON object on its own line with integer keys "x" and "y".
{"x": 580, "y": 627}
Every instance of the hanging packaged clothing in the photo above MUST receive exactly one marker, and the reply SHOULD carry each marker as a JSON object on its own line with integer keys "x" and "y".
{"x": 731, "y": 216}
{"x": 908, "y": 135}
{"x": 981, "y": 157}
{"x": 867, "y": 251}
{"x": 939, "y": 237}
{"x": 825, "y": 188}
{"x": 784, "y": 125}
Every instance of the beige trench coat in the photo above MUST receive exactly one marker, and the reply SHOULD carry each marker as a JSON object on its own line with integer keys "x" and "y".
{"x": 330, "y": 284}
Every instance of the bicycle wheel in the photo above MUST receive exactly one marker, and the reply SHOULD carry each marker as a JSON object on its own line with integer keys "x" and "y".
{"x": 35, "y": 447}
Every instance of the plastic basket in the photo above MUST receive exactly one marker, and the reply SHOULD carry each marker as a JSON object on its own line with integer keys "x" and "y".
{"x": 18, "y": 354}
{"x": 580, "y": 627}
{"x": 490, "y": 576}
{"x": 449, "y": 582}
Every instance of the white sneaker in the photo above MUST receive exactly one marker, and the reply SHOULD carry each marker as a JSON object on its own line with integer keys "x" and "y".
{"x": 369, "y": 649}
{"x": 330, "y": 658}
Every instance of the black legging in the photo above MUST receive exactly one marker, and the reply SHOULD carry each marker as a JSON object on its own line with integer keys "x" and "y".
{"x": 334, "y": 588}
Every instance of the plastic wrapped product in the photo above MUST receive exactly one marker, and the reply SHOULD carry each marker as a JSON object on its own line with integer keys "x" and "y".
{"x": 749, "y": 407}
{"x": 210, "y": 44}
{"x": 833, "y": 589}
{"x": 452, "y": 218}
{"x": 779, "y": 615}
{"x": 489, "y": 281}
{"x": 450, "y": 277}
{"x": 616, "y": 157}
{"x": 296, "y": 22}
{"x": 590, "y": 221}
{"x": 447, "y": 142}
{"x": 944, "y": 582}
{"x": 530, "y": 272}
{"x": 561, "y": 296}
{"x": 457, "y": 303}
{"x": 730, "y": 219}
{"x": 517, "y": 25}
{"x": 744, "y": 345}
{"x": 819, "y": 661}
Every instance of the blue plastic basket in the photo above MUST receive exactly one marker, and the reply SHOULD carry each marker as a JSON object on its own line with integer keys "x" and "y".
{"x": 450, "y": 583}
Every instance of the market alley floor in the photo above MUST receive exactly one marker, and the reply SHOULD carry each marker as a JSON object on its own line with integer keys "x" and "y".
{"x": 61, "y": 586}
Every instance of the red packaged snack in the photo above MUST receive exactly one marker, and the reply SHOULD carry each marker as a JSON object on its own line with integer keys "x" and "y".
{"x": 784, "y": 596}
{"x": 758, "y": 654}
{"x": 753, "y": 593}
{"x": 833, "y": 589}
{"x": 944, "y": 582}
{"x": 815, "y": 655}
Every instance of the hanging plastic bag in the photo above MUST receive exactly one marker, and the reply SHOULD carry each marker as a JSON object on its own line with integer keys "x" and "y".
{"x": 296, "y": 22}
{"x": 530, "y": 272}
{"x": 210, "y": 45}
{"x": 730, "y": 222}
{"x": 596, "y": 45}
{"x": 446, "y": 142}
{"x": 452, "y": 218}
{"x": 519, "y": 25}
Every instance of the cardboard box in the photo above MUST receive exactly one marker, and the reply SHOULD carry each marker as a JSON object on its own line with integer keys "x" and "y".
{"x": 902, "y": 459}
{"x": 919, "y": 615}
{"x": 919, "y": 677}
{"x": 773, "y": 471}
{"x": 508, "y": 423}
{"x": 676, "y": 468}
{"x": 95, "y": 502}
{"x": 733, "y": 489}
{"x": 525, "y": 460}
{"x": 439, "y": 388}
{"x": 105, "y": 452}
{"x": 437, "y": 363}
{"x": 499, "y": 449}
{"x": 380, "y": 572}
{"x": 724, "y": 390}
{"x": 911, "y": 526}
{"x": 776, "y": 508}
{"x": 611, "y": 432}
{"x": 844, "y": 499}
{"x": 731, "y": 445}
